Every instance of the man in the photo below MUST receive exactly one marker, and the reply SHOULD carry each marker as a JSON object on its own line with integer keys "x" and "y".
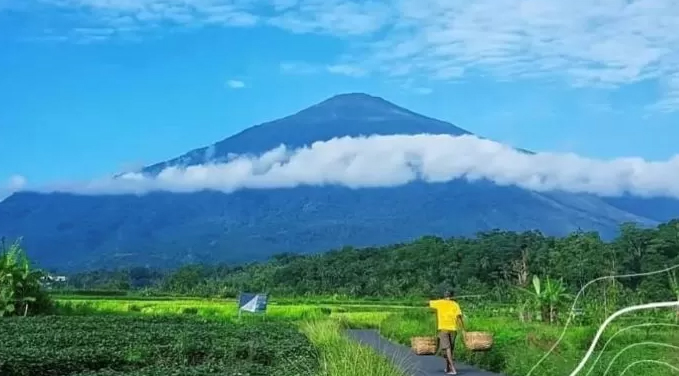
{"x": 448, "y": 319}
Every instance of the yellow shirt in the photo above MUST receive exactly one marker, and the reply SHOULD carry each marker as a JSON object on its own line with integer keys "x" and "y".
{"x": 447, "y": 312}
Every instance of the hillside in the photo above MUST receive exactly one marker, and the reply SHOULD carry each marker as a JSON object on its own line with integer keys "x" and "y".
{"x": 166, "y": 229}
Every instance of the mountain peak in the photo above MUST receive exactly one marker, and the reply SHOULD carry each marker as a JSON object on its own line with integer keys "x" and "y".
{"x": 347, "y": 98}
{"x": 356, "y": 105}
{"x": 343, "y": 115}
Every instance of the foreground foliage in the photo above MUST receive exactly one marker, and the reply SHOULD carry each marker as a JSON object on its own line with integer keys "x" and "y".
{"x": 341, "y": 356}
{"x": 20, "y": 289}
{"x": 151, "y": 346}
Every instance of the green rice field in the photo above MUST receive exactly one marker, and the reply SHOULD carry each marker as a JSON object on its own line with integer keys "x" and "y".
{"x": 198, "y": 348}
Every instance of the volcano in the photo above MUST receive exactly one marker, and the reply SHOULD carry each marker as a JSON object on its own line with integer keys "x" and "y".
{"x": 164, "y": 229}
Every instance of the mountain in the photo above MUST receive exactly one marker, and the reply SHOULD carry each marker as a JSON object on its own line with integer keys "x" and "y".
{"x": 660, "y": 209}
{"x": 354, "y": 114}
{"x": 165, "y": 229}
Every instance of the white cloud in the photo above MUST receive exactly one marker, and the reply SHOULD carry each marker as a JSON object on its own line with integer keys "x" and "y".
{"x": 298, "y": 67}
{"x": 335, "y": 17}
{"x": 383, "y": 161}
{"x": 235, "y": 84}
{"x": 423, "y": 90}
{"x": 594, "y": 43}
{"x": 14, "y": 184}
{"x": 670, "y": 102}
{"x": 346, "y": 70}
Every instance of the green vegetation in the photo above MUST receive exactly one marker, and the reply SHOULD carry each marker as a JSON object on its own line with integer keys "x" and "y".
{"x": 341, "y": 356}
{"x": 203, "y": 308}
{"x": 518, "y": 347}
{"x": 520, "y": 286}
{"x": 98, "y": 345}
{"x": 497, "y": 265}
{"x": 20, "y": 289}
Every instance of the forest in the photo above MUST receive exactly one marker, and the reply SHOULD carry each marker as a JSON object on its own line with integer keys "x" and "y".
{"x": 491, "y": 264}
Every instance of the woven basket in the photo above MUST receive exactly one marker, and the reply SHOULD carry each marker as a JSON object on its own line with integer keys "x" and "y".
{"x": 478, "y": 341}
{"x": 423, "y": 345}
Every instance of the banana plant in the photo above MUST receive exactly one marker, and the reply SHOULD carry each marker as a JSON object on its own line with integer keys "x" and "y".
{"x": 548, "y": 297}
{"x": 19, "y": 283}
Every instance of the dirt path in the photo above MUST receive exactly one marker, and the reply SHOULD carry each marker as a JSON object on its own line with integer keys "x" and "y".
{"x": 403, "y": 357}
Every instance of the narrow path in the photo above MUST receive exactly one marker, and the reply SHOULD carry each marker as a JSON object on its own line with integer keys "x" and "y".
{"x": 404, "y": 358}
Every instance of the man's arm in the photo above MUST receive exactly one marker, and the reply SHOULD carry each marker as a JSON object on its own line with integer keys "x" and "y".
{"x": 460, "y": 319}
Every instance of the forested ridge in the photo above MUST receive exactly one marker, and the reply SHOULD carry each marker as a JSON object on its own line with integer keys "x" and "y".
{"x": 492, "y": 263}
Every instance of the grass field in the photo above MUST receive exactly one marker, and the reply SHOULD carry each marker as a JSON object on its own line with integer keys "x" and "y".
{"x": 85, "y": 325}
{"x": 519, "y": 347}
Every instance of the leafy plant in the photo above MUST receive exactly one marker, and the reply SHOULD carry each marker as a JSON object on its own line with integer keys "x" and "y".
{"x": 547, "y": 297}
{"x": 152, "y": 346}
{"x": 20, "y": 289}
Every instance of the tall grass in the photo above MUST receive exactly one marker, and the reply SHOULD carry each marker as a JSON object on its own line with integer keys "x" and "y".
{"x": 341, "y": 356}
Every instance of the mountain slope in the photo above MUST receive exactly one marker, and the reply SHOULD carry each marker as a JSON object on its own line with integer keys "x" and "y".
{"x": 354, "y": 114}
{"x": 660, "y": 209}
{"x": 167, "y": 229}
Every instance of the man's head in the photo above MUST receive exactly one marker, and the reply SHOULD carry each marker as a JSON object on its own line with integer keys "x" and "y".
{"x": 447, "y": 294}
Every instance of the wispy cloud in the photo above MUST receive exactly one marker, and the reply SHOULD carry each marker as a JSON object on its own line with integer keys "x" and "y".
{"x": 599, "y": 43}
{"x": 347, "y": 70}
{"x": 14, "y": 184}
{"x": 299, "y": 67}
{"x": 670, "y": 102}
{"x": 235, "y": 84}
{"x": 383, "y": 161}
{"x": 423, "y": 90}
{"x": 335, "y": 17}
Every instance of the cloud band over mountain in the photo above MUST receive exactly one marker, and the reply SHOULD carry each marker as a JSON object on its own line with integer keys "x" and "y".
{"x": 385, "y": 161}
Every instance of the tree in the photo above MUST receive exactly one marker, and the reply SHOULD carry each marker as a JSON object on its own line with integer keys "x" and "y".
{"x": 491, "y": 263}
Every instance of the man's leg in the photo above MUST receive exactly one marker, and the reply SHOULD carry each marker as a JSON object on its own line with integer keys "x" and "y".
{"x": 451, "y": 352}
{"x": 445, "y": 343}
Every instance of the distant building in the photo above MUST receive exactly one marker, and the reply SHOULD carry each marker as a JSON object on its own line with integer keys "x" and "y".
{"x": 49, "y": 280}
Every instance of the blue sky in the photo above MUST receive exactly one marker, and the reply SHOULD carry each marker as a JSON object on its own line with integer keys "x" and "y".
{"x": 92, "y": 87}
